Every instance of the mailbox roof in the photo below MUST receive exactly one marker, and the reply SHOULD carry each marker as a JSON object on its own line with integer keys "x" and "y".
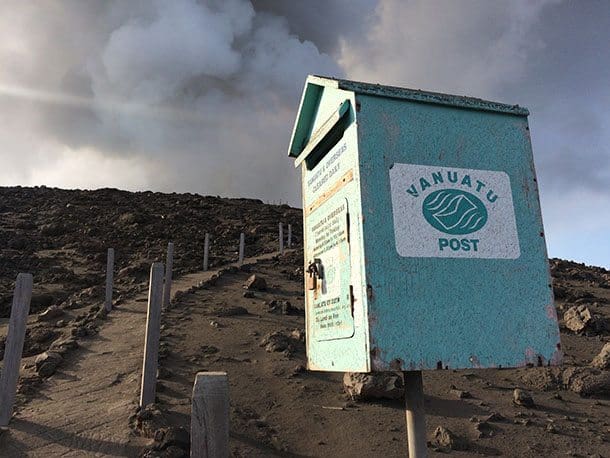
{"x": 315, "y": 84}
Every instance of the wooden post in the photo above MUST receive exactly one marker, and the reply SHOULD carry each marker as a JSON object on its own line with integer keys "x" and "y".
{"x": 290, "y": 236}
{"x": 210, "y": 416}
{"x": 14, "y": 346}
{"x": 281, "y": 238}
{"x": 167, "y": 284}
{"x": 206, "y": 251}
{"x": 109, "y": 279}
{"x": 151, "y": 342}
{"x": 416, "y": 417}
{"x": 242, "y": 241}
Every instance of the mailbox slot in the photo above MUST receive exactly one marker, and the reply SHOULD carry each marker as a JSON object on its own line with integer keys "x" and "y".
{"x": 325, "y": 137}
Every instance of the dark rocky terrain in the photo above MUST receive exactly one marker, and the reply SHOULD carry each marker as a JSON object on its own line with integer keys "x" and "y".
{"x": 61, "y": 237}
{"x": 257, "y": 335}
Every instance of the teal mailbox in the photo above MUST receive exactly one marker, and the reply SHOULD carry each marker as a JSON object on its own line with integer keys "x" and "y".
{"x": 424, "y": 244}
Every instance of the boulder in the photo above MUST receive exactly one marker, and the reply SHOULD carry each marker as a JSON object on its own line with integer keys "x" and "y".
{"x": 47, "y": 363}
{"x": 375, "y": 385}
{"x": 284, "y": 308}
{"x": 580, "y": 319}
{"x": 523, "y": 398}
{"x": 51, "y": 313}
{"x": 256, "y": 282}
{"x": 602, "y": 360}
{"x": 276, "y": 341}
{"x": 587, "y": 381}
{"x": 174, "y": 436}
{"x": 445, "y": 439}
{"x": 577, "y": 318}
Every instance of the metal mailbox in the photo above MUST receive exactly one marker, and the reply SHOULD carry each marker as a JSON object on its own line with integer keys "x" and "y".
{"x": 424, "y": 245}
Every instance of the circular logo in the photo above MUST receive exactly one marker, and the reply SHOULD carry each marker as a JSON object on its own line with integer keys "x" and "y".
{"x": 454, "y": 212}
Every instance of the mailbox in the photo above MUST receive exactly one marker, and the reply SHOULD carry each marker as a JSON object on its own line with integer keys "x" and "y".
{"x": 424, "y": 244}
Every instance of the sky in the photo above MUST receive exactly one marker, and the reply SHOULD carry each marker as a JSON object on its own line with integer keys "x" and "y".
{"x": 201, "y": 95}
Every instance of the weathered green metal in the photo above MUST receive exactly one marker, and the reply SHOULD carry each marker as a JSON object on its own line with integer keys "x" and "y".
{"x": 422, "y": 212}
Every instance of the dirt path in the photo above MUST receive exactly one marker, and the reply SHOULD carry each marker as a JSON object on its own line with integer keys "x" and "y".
{"x": 83, "y": 409}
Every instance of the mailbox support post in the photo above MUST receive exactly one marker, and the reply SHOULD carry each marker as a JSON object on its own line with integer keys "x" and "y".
{"x": 416, "y": 417}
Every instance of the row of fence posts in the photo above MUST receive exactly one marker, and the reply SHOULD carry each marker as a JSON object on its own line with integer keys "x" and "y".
{"x": 242, "y": 245}
{"x": 210, "y": 398}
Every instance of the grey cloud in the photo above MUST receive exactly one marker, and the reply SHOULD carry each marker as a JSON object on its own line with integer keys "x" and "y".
{"x": 208, "y": 90}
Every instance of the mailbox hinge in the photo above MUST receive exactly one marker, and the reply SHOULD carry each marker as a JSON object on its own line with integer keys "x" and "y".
{"x": 351, "y": 299}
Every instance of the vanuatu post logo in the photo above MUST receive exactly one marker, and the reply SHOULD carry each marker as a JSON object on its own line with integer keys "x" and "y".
{"x": 453, "y": 212}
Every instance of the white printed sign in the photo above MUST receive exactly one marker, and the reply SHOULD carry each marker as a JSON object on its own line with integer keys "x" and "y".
{"x": 446, "y": 212}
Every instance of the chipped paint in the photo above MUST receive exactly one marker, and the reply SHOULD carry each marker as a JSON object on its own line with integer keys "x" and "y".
{"x": 551, "y": 312}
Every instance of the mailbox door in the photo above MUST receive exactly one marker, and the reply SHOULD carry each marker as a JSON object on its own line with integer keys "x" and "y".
{"x": 328, "y": 252}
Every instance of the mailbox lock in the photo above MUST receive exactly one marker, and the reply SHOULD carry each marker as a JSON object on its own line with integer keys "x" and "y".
{"x": 314, "y": 272}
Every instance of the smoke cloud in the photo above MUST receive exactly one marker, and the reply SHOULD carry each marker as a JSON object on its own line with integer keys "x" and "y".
{"x": 201, "y": 95}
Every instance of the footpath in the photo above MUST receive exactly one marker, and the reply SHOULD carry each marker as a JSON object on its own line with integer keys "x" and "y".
{"x": 84, "y": 407}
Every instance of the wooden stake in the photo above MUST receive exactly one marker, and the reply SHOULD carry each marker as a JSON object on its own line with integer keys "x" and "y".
{"x": 242, "y": 241}
{"x": 416, "y": 417}
{"x": 281, "y": 238}
{"x": 151, "y": 342}
{"x": 210, "y": 416}
{"x": 109, "y": 279}
{"x": 14, "y": 346}
{"x": 290, "y": 236}
{"x": 206, "y": 251}
{"x": 167, "y": 285}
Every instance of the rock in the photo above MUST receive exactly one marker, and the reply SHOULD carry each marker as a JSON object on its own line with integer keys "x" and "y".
{"x": 495, "y": 417}
{"x": 447, "y": 440}
{"x": 150, "y": 419}
{"x": 522, "y": 398}
{"x": 174, "y": 452}
{"x": 541, "y": 378}
{"x": 175, "y": 436}
{"x": 375, "y": 385}
{"x": 580, "y": 319}
{"x": 587, "y": 381}
{"x": 256, "y": 282}
{"x": 62, "y": 345}
{"x": 52, "y": 229}
{"x": 209, "y": 349}
{"x": 41, "y": 334}
{"x": 298, "y": 334}
{"x": 576, "y": 318}
{"x": 47, "y": 363}
{"x": 249, "y": 294}
{"x": 284, "y": 308}
{"x": 41, "y": 301}
{"x": 602, "y": 360}
{"x": 276, "y": 341}
{"x": 551, "y": 428}
{"x": 483, "y": 429}
{"x": 50, "y": 313}
{"x": 460, "y": 394}
{"x": 235, "y": 310}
